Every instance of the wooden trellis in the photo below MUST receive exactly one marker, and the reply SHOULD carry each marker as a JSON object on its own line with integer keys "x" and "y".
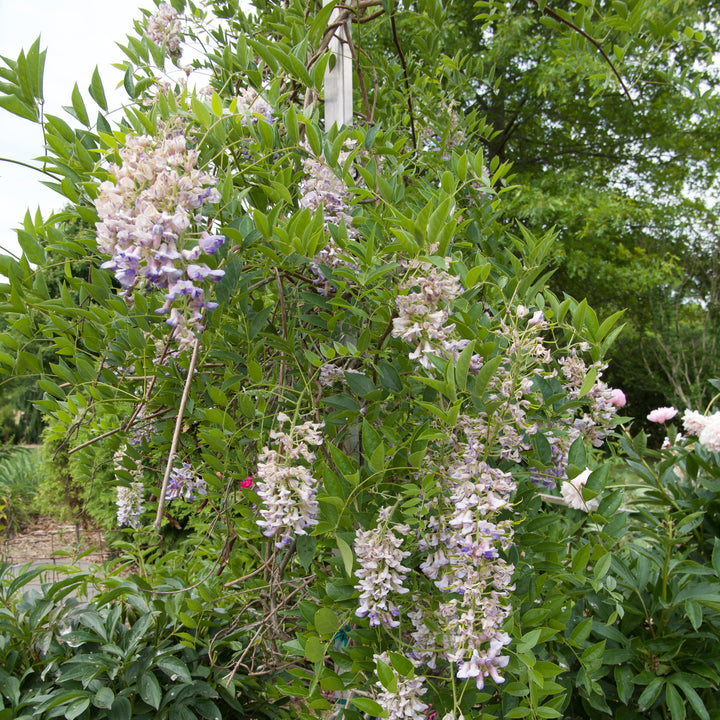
{"x": 339, "y": 78}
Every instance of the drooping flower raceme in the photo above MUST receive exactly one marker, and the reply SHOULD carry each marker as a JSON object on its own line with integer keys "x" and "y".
{"x": 423, "y": 314}
{"x": 464, "y": 539}
{"x": 184, "y": 484}
{"x": 381, "y": 572}
{"x": 322, "y": 188}
{"x": 130, "y": 505}
{"x": 252, "y": 106}
{"x": 405, "y": 702}
{"x": 129, "y": 501}
{"x": 163, "y": 28}
{"x": 145, "y": 226}
{"x": 285, "y": 482}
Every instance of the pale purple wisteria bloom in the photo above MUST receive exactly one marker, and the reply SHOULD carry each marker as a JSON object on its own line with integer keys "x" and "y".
{"x": 594, "y": 423}
{"x": 285, "y": 484}
{"x": 380, "y": 555}
{"x": 184, "y": 484}
{"x": 164, "y": 28}
{"x": 463, "y": 539}
{"x": 423, "y": 314}
{"x": 330, "y": 374}
{"x": 322, "y": 188}
{"x": 405, "y": 702}
{"x": 145, "y": 221}
{"x": 130, "y": 505}
{"x": 253, "y": 107}
{"x": 485, "y": 663}
{"x": 129, "y": 502}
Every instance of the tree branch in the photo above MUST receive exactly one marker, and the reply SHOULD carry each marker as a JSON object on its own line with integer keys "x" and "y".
{"x": 547, "y": 10}
{"x": 176, "y": 433}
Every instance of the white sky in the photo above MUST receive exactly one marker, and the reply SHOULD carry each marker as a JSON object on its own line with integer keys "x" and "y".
{"x": 78, "y": 35}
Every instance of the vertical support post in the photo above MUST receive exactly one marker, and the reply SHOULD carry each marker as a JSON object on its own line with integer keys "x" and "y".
{"x": 338, "y": 80}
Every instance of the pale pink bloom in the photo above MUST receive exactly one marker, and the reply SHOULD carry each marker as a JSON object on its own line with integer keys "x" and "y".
{"x": 617, "y": 398}
{"x": 662, "y": 415}
{"x": 693, "y": 422}
{"x": 667, "y": 444}
{"x": 571, "y": 491}
{"x": 709, "y": 436}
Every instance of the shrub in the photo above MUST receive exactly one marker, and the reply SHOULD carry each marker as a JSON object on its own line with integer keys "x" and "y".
{"x": 95, "y": 647}
{"x": 19, "y": 480}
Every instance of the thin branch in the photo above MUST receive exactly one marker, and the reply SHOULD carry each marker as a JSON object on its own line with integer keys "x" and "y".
{"x": 30, "y": 167}
{"x": 403, "y": 62}
{"x": 176, "y": 433}
{"x": 553, "y": 14}
{"x": 97, "y": 438}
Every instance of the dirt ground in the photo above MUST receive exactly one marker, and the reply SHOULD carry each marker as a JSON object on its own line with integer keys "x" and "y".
{"x": 49, "y": 541}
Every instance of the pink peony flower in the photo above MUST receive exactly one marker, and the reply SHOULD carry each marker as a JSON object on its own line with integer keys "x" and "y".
{"x": 571, "y": 491}
{"x": 693, "y": 422}
{"x": 709, "y": 436}
{"x": 662, "y": 415}
{"x": 617, "y": 398}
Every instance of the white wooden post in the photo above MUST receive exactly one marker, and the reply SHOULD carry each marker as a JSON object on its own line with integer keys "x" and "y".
{"x": 338, "y": 81}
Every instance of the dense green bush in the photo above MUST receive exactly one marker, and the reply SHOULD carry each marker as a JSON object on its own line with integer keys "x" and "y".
{"x": 20, "y": 475}
{"x": 114, "y": 647}
{"x": 77, "y": 487}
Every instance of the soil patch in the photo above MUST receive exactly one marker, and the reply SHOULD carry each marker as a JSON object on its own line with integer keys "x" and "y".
{"x": 50, "y": 541}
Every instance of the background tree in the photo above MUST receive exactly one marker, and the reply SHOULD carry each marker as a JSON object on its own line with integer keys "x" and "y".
{"x": 608, "y": 112}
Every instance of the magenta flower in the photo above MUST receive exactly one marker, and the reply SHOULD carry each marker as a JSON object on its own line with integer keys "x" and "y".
{"x": 662, "y": 415}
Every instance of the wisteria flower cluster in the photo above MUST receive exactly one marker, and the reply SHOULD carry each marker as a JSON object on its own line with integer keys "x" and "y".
{"x": 129, "y": 502}
{"x": 423, "y": 312}
{"x": 164, "y": 29}
{"x": 464, "y": 540}
{"x": 253, "y": 107}
{"x": 145, "y": 221}
{"x": 603, "y": 401}
{"x": 286, "y": 484}
{"x": 381, "y": 574}
{"x": 405, "y": 702}
{"x": 466, "y": 524}
{"x": 184, "y": 484}
{"x": 322, "y": 188}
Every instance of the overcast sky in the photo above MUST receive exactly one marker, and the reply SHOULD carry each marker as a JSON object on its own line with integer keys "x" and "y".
{"x": 78, "y": 35}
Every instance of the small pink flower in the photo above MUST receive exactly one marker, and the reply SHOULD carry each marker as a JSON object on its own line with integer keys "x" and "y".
{"x": 246, "y": 483}
{"x": 662, "y": 415}
{"x": 617, "y": 398}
